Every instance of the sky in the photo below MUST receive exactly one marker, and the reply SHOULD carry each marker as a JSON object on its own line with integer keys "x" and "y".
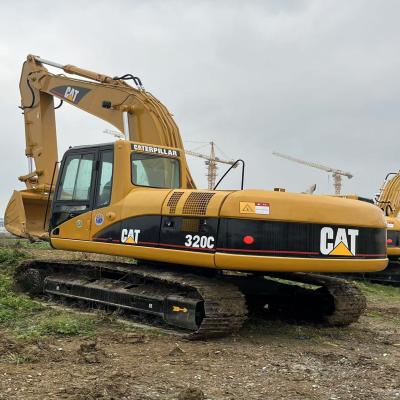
{"x": 318, "y": 80}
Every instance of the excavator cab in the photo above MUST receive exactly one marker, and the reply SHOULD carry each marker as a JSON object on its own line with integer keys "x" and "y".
{"x": 84, "y": 182}
{"x": 88, "y": 177}
{"x": 99, "y": 177}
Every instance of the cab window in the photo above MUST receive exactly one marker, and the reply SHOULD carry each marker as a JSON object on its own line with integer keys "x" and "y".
{"x": 105, "y": 179}
{"x": 77, "y": 178}
{"x": 155, "y": 171}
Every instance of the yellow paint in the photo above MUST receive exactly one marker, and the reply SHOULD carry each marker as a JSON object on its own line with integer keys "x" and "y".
{"x": 246, "y": 262}
{"x": 393, "y": 251}
{"x": 341, "y": 250}
{"x": 70, "y": 230}
{"x": 197, "y": 259}
{"x": 296, "y": 207}
{"x": 237, "y": 262}
{"x": 247, "y": 207}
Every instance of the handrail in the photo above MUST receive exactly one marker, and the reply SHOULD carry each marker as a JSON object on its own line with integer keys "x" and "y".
{"x": 231, "y": 167}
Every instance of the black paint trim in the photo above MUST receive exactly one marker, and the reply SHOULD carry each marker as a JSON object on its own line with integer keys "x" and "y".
{"x": 288, "y": 239}
{"x": 271, "y": 238}
{"x": 394, "y": 236}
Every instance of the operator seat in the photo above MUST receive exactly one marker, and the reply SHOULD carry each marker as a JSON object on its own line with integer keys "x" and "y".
{"x": 105, "y": 195}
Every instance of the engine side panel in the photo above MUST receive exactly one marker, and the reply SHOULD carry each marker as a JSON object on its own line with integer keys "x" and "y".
{"x": 290, "y": 239}
{"x": 275, "y": 246}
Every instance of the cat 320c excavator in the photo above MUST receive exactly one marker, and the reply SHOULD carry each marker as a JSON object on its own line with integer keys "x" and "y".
{"x": 205, "y": 257}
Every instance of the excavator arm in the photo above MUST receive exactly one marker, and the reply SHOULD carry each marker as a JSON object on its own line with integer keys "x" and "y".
{"x": 389, "y": 196}
{"x": 133, "y": 111}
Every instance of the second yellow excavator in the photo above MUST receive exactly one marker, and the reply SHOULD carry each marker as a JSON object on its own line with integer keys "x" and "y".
{"x": 206, "y": 257}
{"x": 388, "y": 199}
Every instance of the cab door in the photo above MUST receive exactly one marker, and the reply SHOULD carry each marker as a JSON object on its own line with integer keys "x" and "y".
{"x": 73, "y": 202}
{"x": 102, "y": 191}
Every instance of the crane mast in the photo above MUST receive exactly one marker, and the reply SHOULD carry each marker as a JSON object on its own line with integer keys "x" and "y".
{"x": 336, "y": 173}
{"x": 211, "y": 162}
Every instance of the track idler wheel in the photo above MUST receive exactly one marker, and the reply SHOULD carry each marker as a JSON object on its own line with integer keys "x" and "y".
{"x": 30, "y": 280}
{"x": 348, "y": 304}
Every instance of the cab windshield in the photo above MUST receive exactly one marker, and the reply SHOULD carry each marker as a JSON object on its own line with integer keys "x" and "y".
{"x": 155, "y": 171}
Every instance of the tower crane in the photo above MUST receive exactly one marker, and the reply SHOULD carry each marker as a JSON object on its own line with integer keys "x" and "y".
{"x": 211, "y": 163}
{"x": 211, "y": 160}
{"x": 336, "y": 173}
{"x": 116, "y": 134}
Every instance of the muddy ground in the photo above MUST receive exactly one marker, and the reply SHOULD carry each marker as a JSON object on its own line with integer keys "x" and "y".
{"x": 265, "y": 360}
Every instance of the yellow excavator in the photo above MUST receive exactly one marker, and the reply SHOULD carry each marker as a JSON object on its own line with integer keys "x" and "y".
{"x": 206, "y": 258}
{"x": 388, "y": 200}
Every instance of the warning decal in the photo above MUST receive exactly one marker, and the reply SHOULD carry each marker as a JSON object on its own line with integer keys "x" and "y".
{"x": 262, "y": 208}
{"x": 247, "y": 207}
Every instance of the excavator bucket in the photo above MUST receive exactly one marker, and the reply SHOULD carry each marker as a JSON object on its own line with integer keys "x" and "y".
{"x": 25, "y": 214}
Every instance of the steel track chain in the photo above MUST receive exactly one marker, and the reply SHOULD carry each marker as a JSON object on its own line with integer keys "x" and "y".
{"x": 349, "y": 302}
{"x": 224, "y": 304}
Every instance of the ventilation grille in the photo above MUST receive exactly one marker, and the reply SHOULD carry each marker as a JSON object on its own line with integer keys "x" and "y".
{"x": 173, "y": 201}
{"x": 197, "y": 203}
{"x": 190, "y": 225}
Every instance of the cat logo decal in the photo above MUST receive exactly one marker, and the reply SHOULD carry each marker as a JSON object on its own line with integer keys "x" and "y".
{"x": 340, "y": 243}
{"x": 130, "y": 236}
{"x": 74, "y": 94}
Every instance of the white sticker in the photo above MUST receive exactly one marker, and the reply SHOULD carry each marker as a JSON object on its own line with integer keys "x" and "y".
{"x": 158, "y": 150}
{"x": 99, "y": 219}
{"x": 201, "y": 242}
{"x": 390, "y": 225}
{"x": 262, "y": 208}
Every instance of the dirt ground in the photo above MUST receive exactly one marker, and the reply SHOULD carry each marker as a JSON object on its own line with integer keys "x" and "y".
{"x": 265, "y": 360}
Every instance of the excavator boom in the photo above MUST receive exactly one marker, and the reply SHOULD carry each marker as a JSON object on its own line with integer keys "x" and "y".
{"x": 388, "y": 198}
{"x": 133, "y": 111}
